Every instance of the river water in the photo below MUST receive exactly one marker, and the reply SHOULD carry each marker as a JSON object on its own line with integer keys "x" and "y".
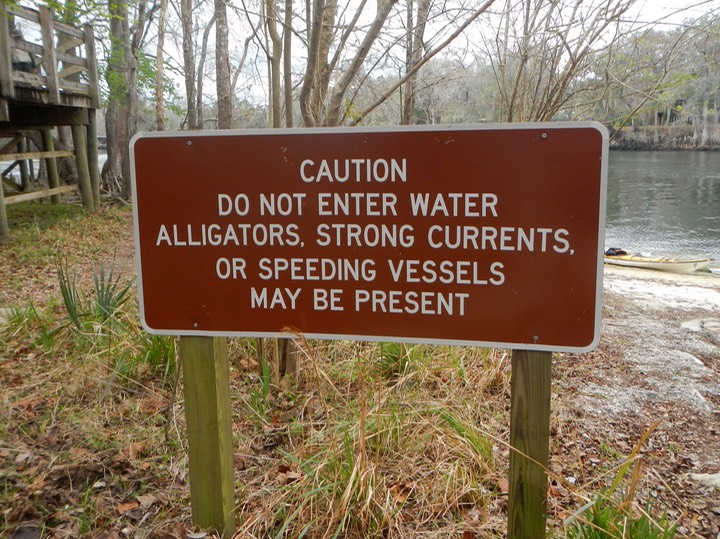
{"x": 665, "y": 203}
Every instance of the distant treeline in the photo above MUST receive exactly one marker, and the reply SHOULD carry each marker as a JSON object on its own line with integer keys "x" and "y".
{"x": 662, "y": 138}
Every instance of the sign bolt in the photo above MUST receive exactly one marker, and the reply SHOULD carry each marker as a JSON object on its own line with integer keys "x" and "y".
{"x": 189, "y": 142}
{"x": 535, "y": 338}
{"x": 544, "y": 135}
{"x": 196, "y": 325}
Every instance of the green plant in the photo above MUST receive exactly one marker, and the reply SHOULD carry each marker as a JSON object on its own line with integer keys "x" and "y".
{"x": 29, "y": 322}
{"x": 109, "y": 295}
{"x": 158, "y": 351}
{"x": 259, "y": 397}
{"x": 610, "y": 516}
{"x": 71, "y": 294}
{"x": 605, "y": 519}
{"x": 395, "y": 360}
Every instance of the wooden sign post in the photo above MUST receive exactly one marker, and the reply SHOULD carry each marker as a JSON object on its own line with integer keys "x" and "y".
{"x": 467, "y": 235}
{"x": 209, "y": 428}
{"x": 529, "y": 443}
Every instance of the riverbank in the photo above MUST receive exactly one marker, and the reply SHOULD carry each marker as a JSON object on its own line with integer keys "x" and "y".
{"x": 664, "y": 138}
{"x": 655, "y": 373}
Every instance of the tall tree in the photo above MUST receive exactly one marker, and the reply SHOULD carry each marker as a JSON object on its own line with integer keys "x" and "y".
{"x": 127, "y": 36}
{"x": 275, "y": 57}
{"x": 413, "y": 54}
{"x": 188, "y": 46}
{"x": 222, "y": 67}
{"x": 159, "y": 69}
{"x": 539, "y": 47}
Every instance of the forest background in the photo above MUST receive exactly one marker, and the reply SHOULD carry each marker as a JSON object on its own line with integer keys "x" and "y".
{"x": 650, "y": 74}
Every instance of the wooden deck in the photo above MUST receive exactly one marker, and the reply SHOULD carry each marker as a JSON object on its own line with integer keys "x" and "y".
{"x": 61, "y": 90}
{"x": 66, "y": 72}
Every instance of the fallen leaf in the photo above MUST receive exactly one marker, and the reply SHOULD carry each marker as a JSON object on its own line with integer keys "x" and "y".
{"x": 503, "y": 485}
{"x": 146, "y": 499}
{"x": 400, "y": 492}
{"x": 557, "y": 491}
{"x": 292, "y": 477}
{"x": 125, "y": 507}
{"x": 132, "y": 451}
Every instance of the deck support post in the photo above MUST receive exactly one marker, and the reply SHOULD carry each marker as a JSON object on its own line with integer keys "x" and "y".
{"x": 52, "y": 168}
{"x": 4, "y": 231}
{"x": 81, "y": 157}
{"x": 24, "y": 172}
{"x": 93, "y": 160}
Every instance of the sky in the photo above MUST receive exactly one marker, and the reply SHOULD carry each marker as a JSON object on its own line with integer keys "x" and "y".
{"x": 673, "y": 11}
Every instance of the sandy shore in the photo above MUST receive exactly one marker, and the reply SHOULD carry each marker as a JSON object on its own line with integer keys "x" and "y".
{"x": 663, "y": 331}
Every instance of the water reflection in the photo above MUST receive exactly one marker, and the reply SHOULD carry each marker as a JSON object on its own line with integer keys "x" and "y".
{"x": 665, "y": 203}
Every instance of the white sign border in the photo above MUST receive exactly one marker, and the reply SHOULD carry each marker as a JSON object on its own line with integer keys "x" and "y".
{"x": 597, "y": 326}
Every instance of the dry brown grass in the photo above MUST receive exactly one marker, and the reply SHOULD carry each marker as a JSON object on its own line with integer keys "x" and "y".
{"x": 372, "y": 440}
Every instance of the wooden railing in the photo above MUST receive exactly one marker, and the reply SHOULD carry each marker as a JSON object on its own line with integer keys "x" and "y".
{"x": 66, "y": 72}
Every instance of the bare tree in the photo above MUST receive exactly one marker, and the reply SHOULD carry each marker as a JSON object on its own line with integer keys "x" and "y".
{"x": 275, "y": 57}
{"x": 539, "y": 47}
{"x": 127, "y": 35}
{"x": 287, "y": 64}
{"x": 160, "y": 69}
{"x": 413, "y": 53}
{"x": 188, "y": 46}
{"x": 222, "y": 67}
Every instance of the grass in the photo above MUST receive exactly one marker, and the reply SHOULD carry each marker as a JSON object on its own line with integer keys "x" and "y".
{"x": 373, "y": 440}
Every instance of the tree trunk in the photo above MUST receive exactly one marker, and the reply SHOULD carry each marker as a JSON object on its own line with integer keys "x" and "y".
{"x": 413, "y": 54}
{"x": 222, "y": 67}
{"x": 116, "y": 115}
{"x": 275, "y": 54}
{"x": 287, "y": 66}
{"x": 188, "y": 41}
{"x": 201, "y": 73}
{"x": 317, "y": 72}
{"x": 159, "y": 70}
{"x": 338, "y": 93}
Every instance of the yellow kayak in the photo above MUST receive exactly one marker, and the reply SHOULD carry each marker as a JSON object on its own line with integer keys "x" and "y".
{"x": 662, "y": 264}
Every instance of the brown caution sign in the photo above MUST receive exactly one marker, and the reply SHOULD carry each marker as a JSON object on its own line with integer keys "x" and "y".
{"x": 483, "y": 235}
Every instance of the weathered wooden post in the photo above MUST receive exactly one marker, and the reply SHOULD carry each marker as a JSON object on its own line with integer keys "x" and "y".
{"x": 209, "y": 430}
{"x": 51, "y": 162}
{"x": 81, "y": 158}
{"x": 49, "y": 59}
{"x": 4, "y": 230}
{"x": 24, "y": 169}
{"x": 92, "y": 144}
{"x": 529, "y": 443}
{"x": 7, "y": 86}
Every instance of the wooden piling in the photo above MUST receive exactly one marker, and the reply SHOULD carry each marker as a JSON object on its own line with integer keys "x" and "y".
{"x": 81, "y": 158}
{"x": 24, "y": 172}
{"x": 530, "y": 443}
{"x": 52, "y": 168}
{"x": 209, "y": 429}
{"x": 4, "y": 231}
{"x": 93, "y": 160}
